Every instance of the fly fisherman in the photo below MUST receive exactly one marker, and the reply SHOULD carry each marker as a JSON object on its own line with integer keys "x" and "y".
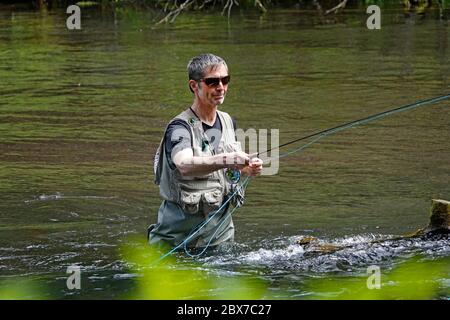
{"x": 198, "y": 164}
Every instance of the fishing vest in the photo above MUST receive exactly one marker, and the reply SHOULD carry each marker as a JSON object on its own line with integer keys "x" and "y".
{"x": 201, "y": 194}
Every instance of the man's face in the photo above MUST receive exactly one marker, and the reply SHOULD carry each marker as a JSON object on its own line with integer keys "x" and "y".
{"x": 213, "y": 95}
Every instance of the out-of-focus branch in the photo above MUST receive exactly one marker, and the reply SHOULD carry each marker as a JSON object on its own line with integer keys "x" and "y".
{"x": 260, "y": 6}
{"x": 174, "y": 13}
{"x": 341, "y": 5}
{"x": 228, "y": 6}
{"x": 316, "y": 3}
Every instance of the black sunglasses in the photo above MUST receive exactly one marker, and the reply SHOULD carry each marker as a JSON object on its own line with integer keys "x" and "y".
{"x": 215, "y": 81}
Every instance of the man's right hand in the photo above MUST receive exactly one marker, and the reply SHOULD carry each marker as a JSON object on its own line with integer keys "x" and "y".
{"x": 236, "y": 160}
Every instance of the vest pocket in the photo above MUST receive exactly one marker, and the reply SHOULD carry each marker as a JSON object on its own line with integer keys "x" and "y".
{"x": 190, "y": 201}
{"x": 212, "y": 200}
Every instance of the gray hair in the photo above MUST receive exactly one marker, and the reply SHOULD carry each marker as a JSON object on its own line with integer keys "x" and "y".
{"x": 198, "y": 65}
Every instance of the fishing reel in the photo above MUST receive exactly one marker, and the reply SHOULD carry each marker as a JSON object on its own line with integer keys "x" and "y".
{"x": 233, "y": 175}
{"x": 237, "y": 191}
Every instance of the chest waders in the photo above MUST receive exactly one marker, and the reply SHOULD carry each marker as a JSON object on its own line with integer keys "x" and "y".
{"x": 188, "y": 201}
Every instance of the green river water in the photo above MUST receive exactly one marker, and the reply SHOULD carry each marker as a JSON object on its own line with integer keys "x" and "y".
{"x": 82, "y": 112}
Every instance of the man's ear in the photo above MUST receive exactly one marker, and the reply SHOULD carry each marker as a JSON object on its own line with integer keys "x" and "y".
{"x": 193, "y": 85}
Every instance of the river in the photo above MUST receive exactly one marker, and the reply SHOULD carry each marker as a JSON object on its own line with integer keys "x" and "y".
{"x": 82, "y": 112}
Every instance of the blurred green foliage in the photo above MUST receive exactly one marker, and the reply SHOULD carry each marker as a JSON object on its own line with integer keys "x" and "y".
{"x": 19, "y": 289}
{"x": 168, "y": 279}
{"x": 415, "y": 279}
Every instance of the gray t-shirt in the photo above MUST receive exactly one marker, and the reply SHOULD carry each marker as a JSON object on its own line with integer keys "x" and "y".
{"x": 178, "y": 137}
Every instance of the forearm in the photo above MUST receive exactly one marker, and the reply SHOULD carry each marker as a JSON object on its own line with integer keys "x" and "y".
{"x": 200, "y": 166}
{"x": 190, "y": 165}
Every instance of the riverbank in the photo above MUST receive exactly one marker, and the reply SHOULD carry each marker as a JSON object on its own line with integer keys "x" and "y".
{"x": 175, "y": 7}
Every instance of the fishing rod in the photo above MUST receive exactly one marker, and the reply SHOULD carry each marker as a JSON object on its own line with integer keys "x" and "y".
{"x": 355, "y": 123}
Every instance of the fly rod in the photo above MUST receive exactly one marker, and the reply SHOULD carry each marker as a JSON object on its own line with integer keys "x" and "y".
{"x": 362, "y": 121}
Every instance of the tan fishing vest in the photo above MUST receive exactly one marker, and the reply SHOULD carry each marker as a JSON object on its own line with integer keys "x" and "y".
{"x": 203, "y": 194}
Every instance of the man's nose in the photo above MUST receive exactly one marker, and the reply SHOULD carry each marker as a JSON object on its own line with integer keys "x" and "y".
{"x": 220, "y": 86}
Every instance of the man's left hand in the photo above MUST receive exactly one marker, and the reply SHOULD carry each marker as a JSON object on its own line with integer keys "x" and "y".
{"x": 254, "y": 168}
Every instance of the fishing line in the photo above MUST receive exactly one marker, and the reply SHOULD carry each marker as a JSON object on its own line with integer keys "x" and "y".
{"x": 351, "y": 124}
{"x": 318, "y": 136}
{"x": 197, "y": 229}
{"x": 224, "y": 219}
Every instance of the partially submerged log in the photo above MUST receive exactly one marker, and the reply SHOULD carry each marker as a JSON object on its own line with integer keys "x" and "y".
{"x": 439, "y": 225}
{"x": 439, "y": 219}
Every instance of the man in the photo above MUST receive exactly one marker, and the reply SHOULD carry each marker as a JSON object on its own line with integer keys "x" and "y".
{"x": 197, "y": 162}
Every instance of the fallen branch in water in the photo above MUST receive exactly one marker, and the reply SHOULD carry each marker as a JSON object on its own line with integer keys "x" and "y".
{"x": 260, "y": 5}
{"x": 438, "y": 228}
{"x": 341, "y": 5}
{"x": 174, "y": 13}
{"x": 199, "y": 5}
{"x": 229, "y": 5}
{"x": 205, "y": 3}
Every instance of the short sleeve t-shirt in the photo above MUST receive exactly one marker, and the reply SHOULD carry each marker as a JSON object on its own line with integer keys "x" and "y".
{"x": 179, "y": 137}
